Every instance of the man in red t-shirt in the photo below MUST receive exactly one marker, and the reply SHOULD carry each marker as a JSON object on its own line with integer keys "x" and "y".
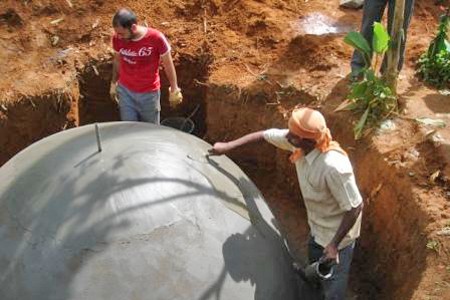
{"x": 135, "y": 79}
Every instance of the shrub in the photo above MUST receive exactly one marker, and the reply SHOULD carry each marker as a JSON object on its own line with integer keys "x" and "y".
{"x": 434, "y": 65}
{"x": 371, "y": 97}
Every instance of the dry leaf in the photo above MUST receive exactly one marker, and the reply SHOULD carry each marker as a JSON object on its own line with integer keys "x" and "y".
{"x": 342, "y": 106}
{"x": 54, "y": 22}
{"x": 96, "y": 23}
{"x": 434, "y": 176}
{"x": 95, "y": 71}
{"x": 376, "y": 190}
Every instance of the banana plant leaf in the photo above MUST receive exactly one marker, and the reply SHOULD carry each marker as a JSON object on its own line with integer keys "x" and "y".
{"x": 357, "y": 41}
{"x": 380, "y": 41}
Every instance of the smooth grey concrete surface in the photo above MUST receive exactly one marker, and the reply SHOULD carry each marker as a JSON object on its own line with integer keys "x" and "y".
{"x": 149, "y": 217}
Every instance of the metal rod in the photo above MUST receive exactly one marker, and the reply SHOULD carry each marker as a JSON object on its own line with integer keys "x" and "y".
{"x": 190, "y": 116}
{"x": 97, "y": 134}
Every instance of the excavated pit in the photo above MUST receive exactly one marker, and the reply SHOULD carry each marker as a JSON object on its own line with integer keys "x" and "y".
{"x": 402, "y": 253}
{"x": 95, "y": 104}
{"x": 392, "y": 241}
{"x": 32, "y": 118}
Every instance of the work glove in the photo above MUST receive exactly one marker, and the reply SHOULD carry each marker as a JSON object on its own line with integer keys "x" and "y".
{"x": 175, "y": 97}
{"x": 113, "y": 91}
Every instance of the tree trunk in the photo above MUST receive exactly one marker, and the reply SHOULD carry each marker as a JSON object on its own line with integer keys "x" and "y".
{"x": 393, "y": 53}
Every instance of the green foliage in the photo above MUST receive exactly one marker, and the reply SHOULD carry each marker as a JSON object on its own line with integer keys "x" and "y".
{"x": 435, "y": 70}
{"x": 381, "y": 39}
{"x": 440, "y": 42}
{"x": 357, "y": 41}
{"x": 371, "y": 97}
{"x": 374, "y": 99}
{"x": 434, "y": 65}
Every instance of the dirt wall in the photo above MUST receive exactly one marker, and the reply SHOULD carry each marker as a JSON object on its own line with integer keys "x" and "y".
{"x": 30, "y": 119}
{"x": 392, "y": 252}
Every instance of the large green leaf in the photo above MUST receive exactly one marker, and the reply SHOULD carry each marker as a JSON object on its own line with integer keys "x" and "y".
{"x": 440, "y": 44}
{"x": 358, "y": 90}
{"x": 380, "y": 41}
{"x": 370, "y": 75}
{"x": 357, "y": 41}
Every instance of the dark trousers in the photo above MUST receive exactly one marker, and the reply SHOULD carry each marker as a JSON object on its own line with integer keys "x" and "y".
{"x": 335, "y": 287}
{"x": 373, "y": 12}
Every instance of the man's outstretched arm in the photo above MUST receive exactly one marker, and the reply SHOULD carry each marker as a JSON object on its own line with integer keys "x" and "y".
{"x": 220, "y": 148}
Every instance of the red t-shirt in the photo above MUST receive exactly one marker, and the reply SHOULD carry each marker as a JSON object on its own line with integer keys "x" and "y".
{"x": 139, "y": 61}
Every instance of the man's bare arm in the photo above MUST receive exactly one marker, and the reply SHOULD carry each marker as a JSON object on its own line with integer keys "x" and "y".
{"x": 349, "y": 219}
{"x": 170, "y": 71}
{"x": 224, "y": 147}
{"x": 115, "y": 70}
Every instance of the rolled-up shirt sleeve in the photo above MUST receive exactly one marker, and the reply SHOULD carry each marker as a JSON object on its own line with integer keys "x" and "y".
{"x": 277, "y": 137}
{"x": 343, "y": 187}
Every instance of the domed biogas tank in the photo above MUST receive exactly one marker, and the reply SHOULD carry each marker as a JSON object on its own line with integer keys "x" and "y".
{"x": 148, "y": 217}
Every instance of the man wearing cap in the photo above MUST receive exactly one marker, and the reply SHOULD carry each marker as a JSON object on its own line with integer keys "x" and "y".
{"x": 135, "y": 77}
{"x": 332, "y": 199}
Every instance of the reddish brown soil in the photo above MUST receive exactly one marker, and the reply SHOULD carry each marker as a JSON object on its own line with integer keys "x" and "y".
{"x": 245, "y": 64}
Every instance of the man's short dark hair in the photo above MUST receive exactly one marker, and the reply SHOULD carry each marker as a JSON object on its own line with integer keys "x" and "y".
{"x": 125, "y": 18}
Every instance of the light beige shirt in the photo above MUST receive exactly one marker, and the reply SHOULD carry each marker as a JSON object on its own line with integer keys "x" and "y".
{"x": 328, "y": 187}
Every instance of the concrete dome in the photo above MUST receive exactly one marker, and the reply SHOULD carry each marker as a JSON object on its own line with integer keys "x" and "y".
{"x": 149, "y": 217}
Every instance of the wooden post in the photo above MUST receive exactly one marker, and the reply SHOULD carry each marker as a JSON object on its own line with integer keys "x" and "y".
{"x": 393, "y": 54}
